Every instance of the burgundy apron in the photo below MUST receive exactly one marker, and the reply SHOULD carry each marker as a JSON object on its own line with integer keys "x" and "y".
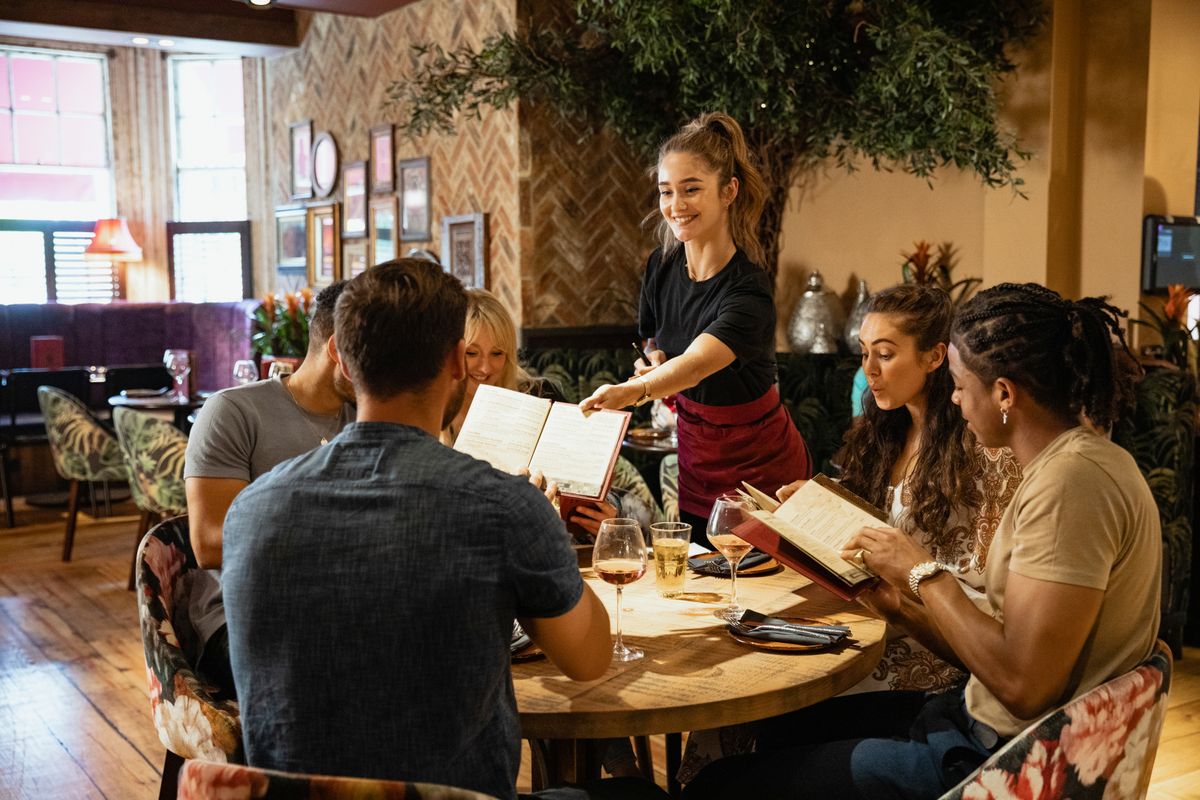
{"x": 721, "y": 446}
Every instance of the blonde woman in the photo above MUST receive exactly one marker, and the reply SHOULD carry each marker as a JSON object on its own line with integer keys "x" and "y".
{"x": 492, "y": 357}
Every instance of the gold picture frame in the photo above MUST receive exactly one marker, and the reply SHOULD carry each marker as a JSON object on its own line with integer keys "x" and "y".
{"x": 382, "y": 222}
{"x": 354, "y": 257}
{"x": 324, "y": 244}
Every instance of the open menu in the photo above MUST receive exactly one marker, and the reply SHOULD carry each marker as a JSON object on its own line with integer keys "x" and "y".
{"x": 809, "y": 531}
{"x": 514, "y": 431}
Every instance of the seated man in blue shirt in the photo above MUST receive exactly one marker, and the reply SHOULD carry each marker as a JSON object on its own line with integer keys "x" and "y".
{"x": 371, "y": 584}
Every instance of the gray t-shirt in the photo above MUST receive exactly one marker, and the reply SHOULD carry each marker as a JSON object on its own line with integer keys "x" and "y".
{"x": 242, "y": 433}
{"x": 371, "y": 587}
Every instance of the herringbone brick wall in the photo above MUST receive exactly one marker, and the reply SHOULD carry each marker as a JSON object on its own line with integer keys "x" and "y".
{"x": 563, "y": 208}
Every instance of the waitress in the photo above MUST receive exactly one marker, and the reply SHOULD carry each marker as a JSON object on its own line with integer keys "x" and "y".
{"x": 708, "y": 320}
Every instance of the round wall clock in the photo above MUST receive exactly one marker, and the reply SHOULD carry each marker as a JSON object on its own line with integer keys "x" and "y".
{"x": 324, "y": 164}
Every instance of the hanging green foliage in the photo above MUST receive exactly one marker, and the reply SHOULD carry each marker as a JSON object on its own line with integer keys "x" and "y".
{"x": 899, "y": 83}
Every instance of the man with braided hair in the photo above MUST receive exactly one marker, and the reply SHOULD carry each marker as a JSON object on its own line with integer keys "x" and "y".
{"x": 1073, "y": 572}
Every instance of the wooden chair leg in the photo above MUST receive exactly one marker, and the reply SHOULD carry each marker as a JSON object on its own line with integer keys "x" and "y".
{"x": 92, "y": 497}
{"x": 4, "y": 488}
{"x": 107, "y": 500}
{"x": 72, "y": 510}
{"x": 143, "y": 526}
{"x": 169, "y": 788}
{"x": 674, "y": 757}
{"x": 641, "y": 746}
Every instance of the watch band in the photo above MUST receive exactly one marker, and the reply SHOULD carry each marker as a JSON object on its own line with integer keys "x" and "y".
{"x": 926, "y": 569}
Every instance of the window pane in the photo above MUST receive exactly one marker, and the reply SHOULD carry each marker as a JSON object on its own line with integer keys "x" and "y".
{"x": 211, "y": 195}
{"x": 23, "y": 268}
{"x": 208, "y": 267}
{"x": 83, "y": 141}
{"x": 80, "y": 86}
{"x": 194, "y": 88}
{"x": 37, "y": 139}
{"x": 211, "y": 142}
{"x": 78, "y": 193}
{"x": 227, "y": 84}
{"x": 5, "y": 100}
{"x": 33, "y": 82}
{"x": 6, "y": 153}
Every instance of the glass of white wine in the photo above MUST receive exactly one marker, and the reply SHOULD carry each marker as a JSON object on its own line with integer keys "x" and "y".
{"x": 728, "y": 512}
{"x": 244, "y": 371}
{"x": 179, "y": 364}
{"x": 619, "y": 558}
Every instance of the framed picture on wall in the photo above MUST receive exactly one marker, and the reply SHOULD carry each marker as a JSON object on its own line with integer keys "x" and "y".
{"x": 324, "y": 244}
{"x": 300, "y": 143}
{"x": 354, "y": 257}
{"x": 381, "y": 225}
{"x": 464, "y": 249}
{"x": 414, "y": 200}
{"x": 354, "y": 198}
{"x": 324, "y": 164}
{"x": 291, "y": 244}
{"x": 383, "y": 164}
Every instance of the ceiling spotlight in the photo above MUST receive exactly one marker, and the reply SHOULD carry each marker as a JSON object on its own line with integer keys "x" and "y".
{"x": 166, "y": 42}
{"x": 259, "y": 3}
{"x": 140, "y": 40}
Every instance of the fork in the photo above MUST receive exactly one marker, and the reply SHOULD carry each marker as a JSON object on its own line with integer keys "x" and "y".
{"x": 803, "y": 632}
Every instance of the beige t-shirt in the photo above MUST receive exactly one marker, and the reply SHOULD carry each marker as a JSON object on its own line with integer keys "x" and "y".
{"x": 1084, "y": 516}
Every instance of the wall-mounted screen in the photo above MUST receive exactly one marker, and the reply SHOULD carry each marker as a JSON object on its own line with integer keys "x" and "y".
{"x": 1170, "y": 252}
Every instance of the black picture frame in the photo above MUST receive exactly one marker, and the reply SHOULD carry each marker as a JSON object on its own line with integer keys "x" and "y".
{"x": 415, "y": 200}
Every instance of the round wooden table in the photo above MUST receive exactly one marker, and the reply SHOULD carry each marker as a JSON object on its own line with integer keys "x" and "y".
{"x": 694, "y": 675}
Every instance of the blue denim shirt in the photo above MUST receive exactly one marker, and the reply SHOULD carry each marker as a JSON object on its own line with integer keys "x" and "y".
{"x": 370, "y": 589}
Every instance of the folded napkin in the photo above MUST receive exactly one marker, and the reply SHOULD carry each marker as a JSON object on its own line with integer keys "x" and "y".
{"x": 719, "y": 566}
{"x": 772, "y": 629}
{"x": 520, "y": 639}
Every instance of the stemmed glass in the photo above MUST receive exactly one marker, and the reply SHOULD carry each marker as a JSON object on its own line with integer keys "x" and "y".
{"x": 619, "y": 557}
{"x": 178, "y": 364}
{"x": 244, "y": 371}
{"x": 728, "y": 512}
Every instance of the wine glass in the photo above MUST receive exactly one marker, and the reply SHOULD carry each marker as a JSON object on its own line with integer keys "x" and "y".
{"x": 728, "y": 512}
{"x": 244, "y": 371}
{"x": 619, "y": 557}
{"x": 178, "y": 364}
{"x": 280, "y": 369}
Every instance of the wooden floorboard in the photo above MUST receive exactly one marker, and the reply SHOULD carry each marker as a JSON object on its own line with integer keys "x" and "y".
{"x": 74, "y": 717}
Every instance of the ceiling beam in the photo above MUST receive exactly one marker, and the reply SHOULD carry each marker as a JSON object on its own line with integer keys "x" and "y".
{"x": 273, "y": 27}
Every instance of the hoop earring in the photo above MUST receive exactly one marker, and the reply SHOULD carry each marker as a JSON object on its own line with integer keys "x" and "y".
{"x": 1004, "y": 416}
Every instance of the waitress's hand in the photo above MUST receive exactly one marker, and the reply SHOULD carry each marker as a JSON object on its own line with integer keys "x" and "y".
{"x": 790, "y": 489}
{"x": 888, "y": 552}
{"x": 613, "y": 395}
{"x": 657, "y": 359}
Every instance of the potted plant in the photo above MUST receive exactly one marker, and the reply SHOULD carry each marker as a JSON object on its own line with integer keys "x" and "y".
{"x": 281, "y": 328}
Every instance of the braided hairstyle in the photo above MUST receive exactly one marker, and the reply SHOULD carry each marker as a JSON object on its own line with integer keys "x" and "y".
{"x": 946, "y": 468}
{"x": 717, "y": 140}
{"x": 1060, "y": 351}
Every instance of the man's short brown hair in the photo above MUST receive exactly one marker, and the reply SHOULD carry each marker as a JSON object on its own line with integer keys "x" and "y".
{"x": 320, "y": 323}
{"x": 396, "y": 323}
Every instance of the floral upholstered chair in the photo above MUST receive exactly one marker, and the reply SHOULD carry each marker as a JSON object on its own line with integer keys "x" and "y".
{"x": 637, "y": 501}
{"x": 191, "y": 722}
{"x": 1099, "y": 745}
{"x": 83, "y": 450}
{"x": 201, "y": 780}
{"x": 153, "y": 452}
{"x": 668, "y": 481}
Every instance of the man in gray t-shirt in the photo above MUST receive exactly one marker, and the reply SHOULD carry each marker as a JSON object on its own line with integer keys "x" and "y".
{"x": 243, "y": 433}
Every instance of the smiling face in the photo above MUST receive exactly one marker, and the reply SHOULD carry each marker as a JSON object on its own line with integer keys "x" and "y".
{"x": 691, "y": 199}
{"x": 895, "y": 366}
{"x": 977, "y": 402}
{"x": 485, "y": 358}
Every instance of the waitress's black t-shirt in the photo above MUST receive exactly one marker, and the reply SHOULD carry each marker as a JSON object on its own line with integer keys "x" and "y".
{"x": 735, "y": 306}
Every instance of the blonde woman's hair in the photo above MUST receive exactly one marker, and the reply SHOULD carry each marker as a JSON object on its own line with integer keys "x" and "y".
{"x": 717, "y": 140}
{"x": 485, "y": 309}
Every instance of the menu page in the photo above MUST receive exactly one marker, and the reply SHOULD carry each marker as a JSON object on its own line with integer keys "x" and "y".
{"x": 820, "y": 522}
{"x": 578, "y": 452}
{"x": 502, "y": 427}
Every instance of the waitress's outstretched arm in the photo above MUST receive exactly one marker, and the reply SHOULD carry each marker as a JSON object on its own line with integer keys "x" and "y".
{"x": 704, "y": 356}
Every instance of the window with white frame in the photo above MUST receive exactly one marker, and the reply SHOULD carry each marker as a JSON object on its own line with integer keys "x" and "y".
{"x": 209, "y": 261}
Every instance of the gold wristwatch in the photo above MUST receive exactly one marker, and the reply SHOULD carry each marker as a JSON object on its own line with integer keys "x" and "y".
{"x": 926, "y": 569}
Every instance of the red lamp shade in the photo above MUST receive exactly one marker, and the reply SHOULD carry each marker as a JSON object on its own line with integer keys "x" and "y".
{"x": 111, "y": 241}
